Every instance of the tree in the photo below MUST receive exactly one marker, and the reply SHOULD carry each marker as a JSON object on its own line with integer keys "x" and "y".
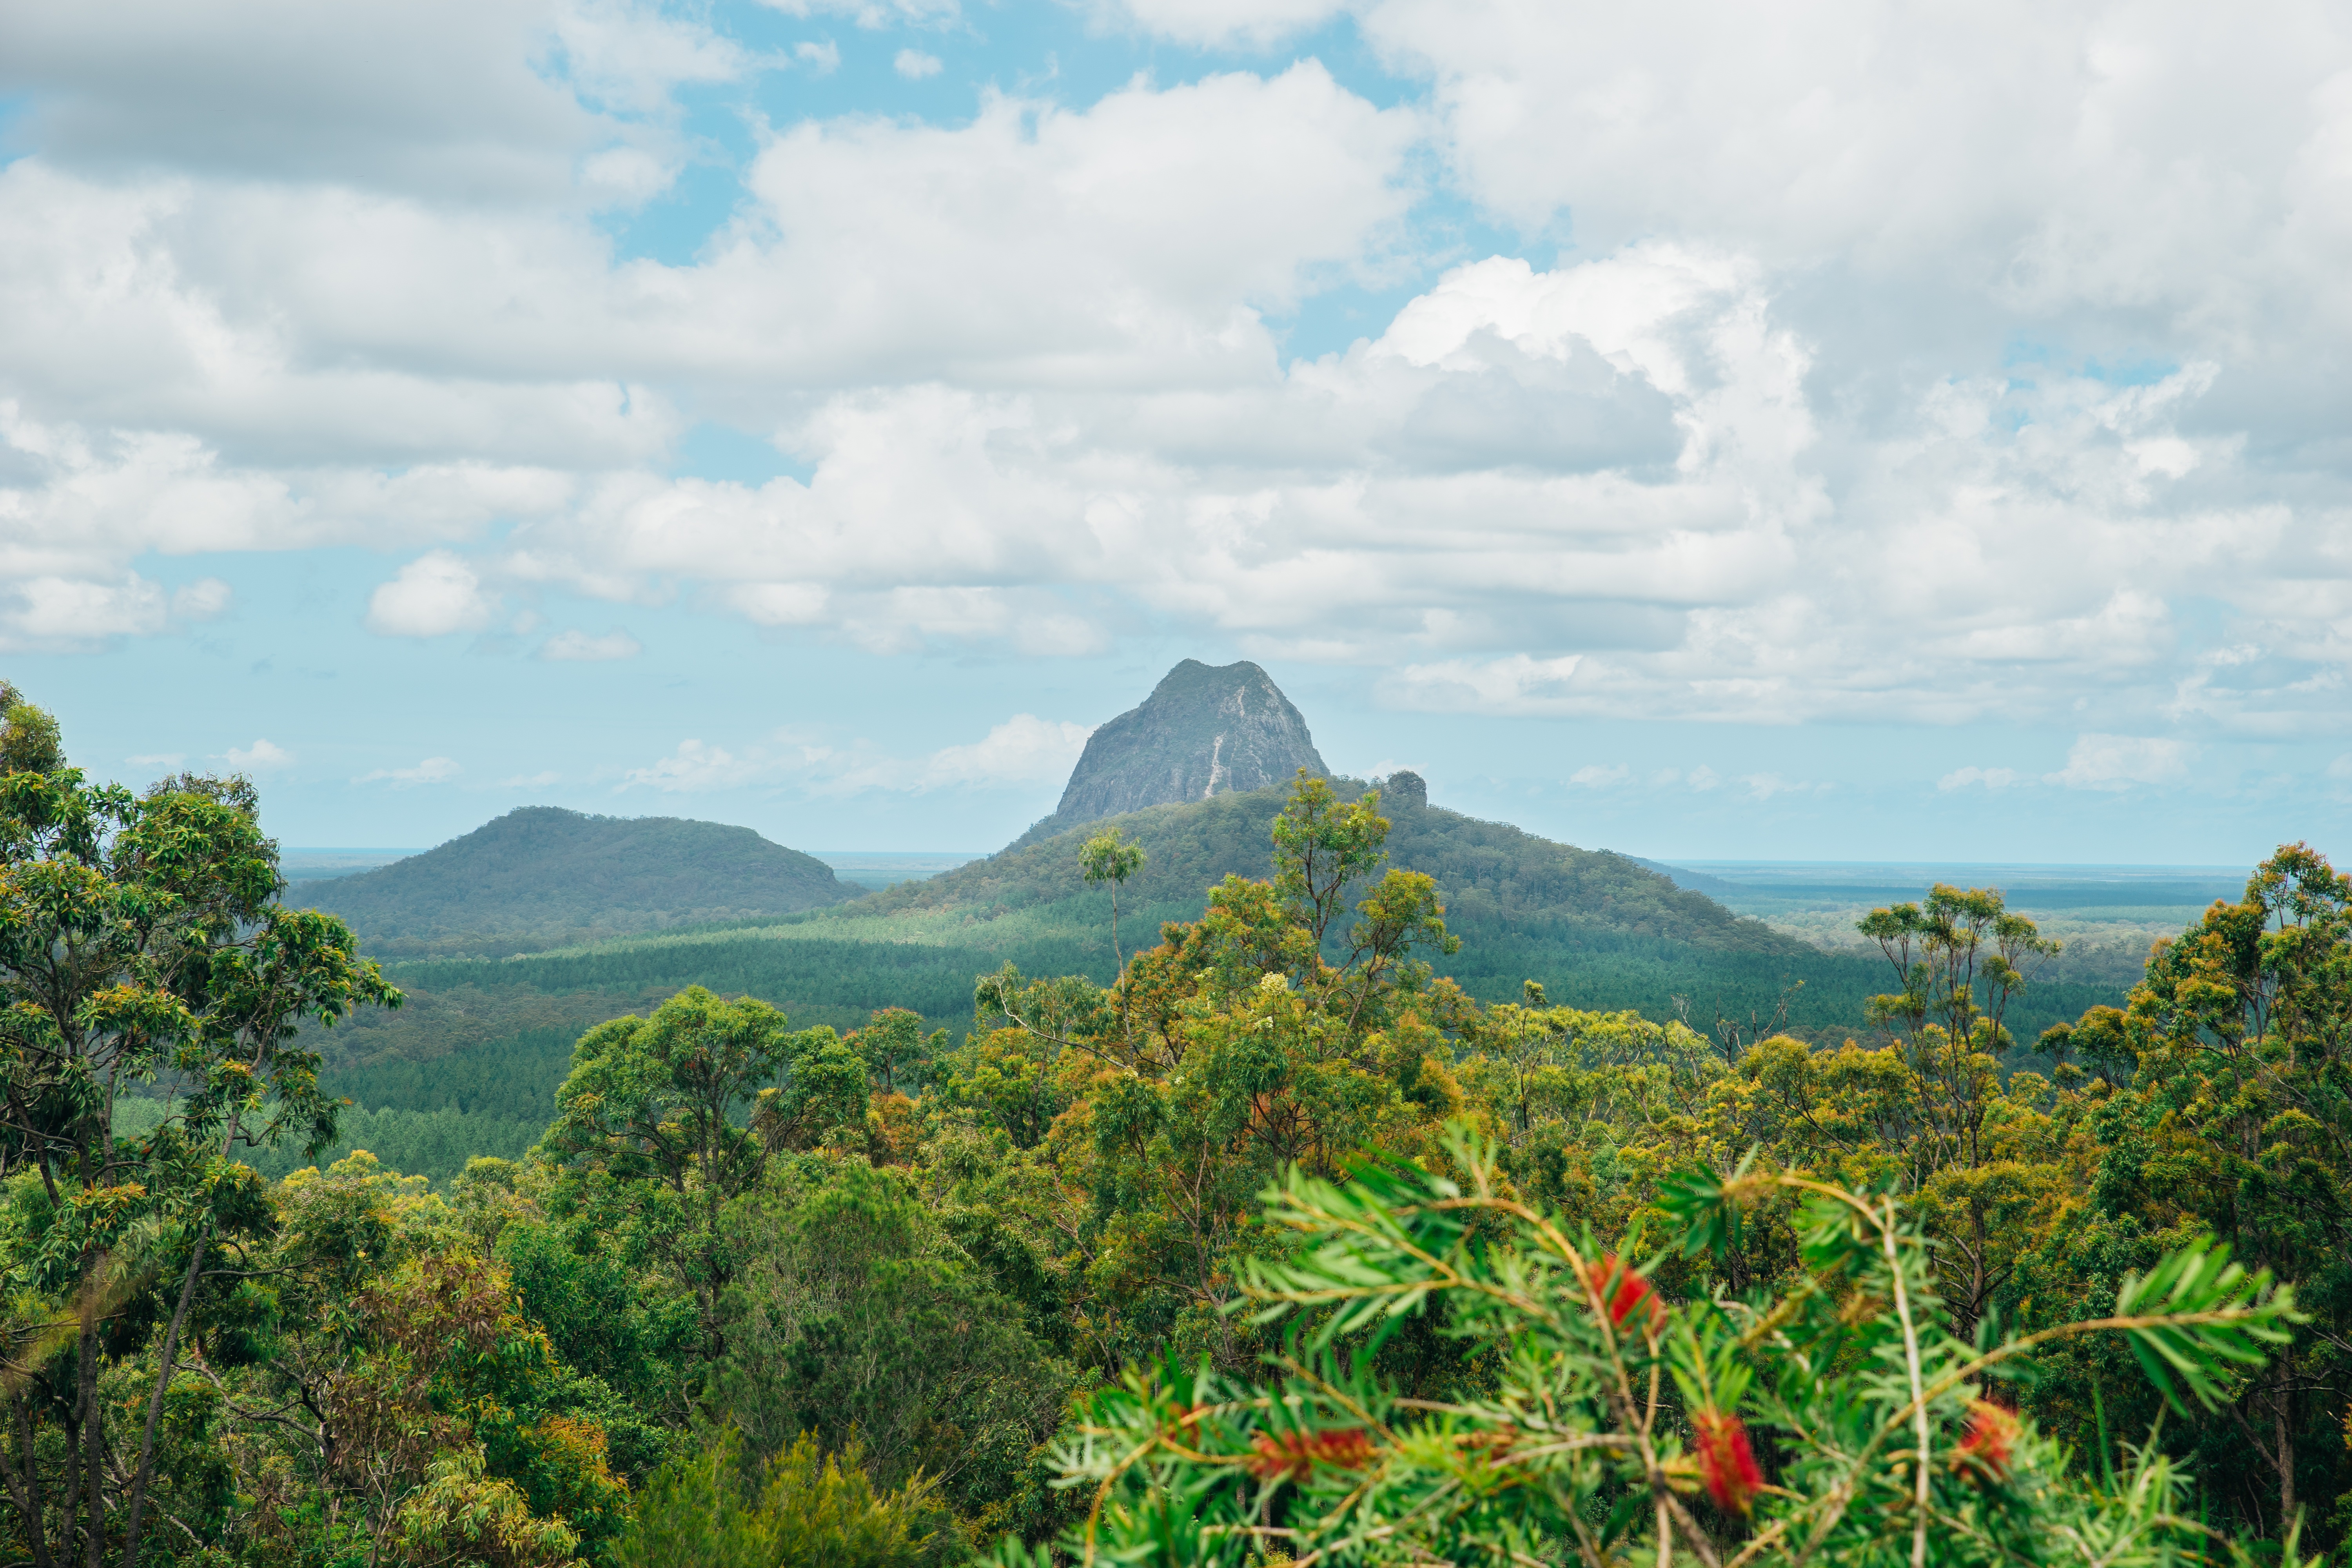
{"x": 1108, "y": 857}
{"x": 1960, "y": 957}
{"x": 1620, "y": 1427}
{"x": 2237, "y": 1052}
{"x": 141, "y": 940}
{"x": 1233, "y": 1049}
{"x": 858, "y": 1318}
{"x": 804, "y": 1509}
{"x": 679, "y": 1112}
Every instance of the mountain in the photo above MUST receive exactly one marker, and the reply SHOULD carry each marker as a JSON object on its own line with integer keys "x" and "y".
{"x": 1491, "y": 875}
{"x": 1204, "y": 730}
{"x": 540, "y": 875}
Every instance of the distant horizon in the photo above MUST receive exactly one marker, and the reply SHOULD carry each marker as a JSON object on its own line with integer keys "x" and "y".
{"x": 1692, "y": 863}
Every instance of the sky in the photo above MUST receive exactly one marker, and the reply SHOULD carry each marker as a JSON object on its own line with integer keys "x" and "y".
{"x": 1836, "y": 430}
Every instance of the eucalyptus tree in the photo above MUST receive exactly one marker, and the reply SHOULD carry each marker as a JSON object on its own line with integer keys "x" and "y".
{"x": 142, "y": 948}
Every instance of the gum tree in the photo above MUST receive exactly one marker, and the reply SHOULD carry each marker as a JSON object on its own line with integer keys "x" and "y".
{"x": 142, "y": 949}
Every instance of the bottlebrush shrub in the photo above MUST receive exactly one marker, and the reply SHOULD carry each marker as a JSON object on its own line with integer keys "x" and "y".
{"x": 1623, "y": 1429}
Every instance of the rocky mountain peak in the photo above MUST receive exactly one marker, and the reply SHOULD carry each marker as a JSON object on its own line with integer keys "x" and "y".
{"x": 1205, "y": 730}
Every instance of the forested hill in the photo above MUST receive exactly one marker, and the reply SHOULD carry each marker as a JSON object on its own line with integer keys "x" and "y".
{"x": 540, "y": 875}
{"x": 1490, "y": 874}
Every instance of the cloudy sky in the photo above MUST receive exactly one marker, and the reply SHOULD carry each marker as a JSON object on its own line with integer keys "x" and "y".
{"x": 1830, "y": 430}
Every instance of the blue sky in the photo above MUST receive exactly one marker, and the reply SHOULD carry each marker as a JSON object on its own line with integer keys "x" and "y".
{"x": 1840, "y": 433}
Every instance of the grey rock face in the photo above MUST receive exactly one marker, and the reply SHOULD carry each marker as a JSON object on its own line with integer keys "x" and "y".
{"x": 1403, "y": 790}
{"x": 1201, "y": 732}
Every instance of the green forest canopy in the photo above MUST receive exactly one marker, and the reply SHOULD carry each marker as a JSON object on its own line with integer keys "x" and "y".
{"x": 764, "y": 1291}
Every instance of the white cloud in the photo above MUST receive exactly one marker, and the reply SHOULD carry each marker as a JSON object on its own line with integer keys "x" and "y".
{"x": 1991, "y": 778}
{"x": 1703, "y": 777}
{"x": 531, "y": 781}
{"x": 69, "y": 615}
{"x": 632, "y": 56}
{"x": 915, "y": 65}
{"x": 201, "y": 600}
{"x": 166, "y": 761}
{"x": 580, "y": 646}
{"x": 694, "y": 768}
{"x": 1024, "y": 749}
{"x": 626, "y": 177}
{"x": 1225, "y": 24}
{"x": 1516, "y": 684}
{"x": 875, "y": 12}
{"x": 262, "y": 756}
{"x": 434, "y": 596}
{"x": 1593, "y": 775}
{"x": 822, "y": 57}
{"x": 2119, "y": 762}
{"x": 1925, "y": 371}
{"x": 1764, "y": 786}
{"x": 431, "y": 771}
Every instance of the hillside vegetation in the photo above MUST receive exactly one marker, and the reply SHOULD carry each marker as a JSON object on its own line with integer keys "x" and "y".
{"x": 1489, "y": 873}
{"x": 755, "y": 1292}
{"x": 1596, "y": 929}
{"x": 542, "y": 875}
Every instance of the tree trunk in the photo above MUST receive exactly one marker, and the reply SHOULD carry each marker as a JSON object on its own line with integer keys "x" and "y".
{"x": 2283, "y": 1411}
{"x": 93, "y": 1437}
{"x": 145, "y": 1473}
{"x": 25, "y": 1486}
{"x": 146, "y": 1470}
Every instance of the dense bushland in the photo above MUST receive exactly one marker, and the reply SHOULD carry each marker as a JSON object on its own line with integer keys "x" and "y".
{"x": 1274, "y": 1237}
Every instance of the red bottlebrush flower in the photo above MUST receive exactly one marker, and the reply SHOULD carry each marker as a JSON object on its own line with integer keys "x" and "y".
{"x": 1290, "y": 1455}
{"x": 1726, "y": 1462}
{"x": 1626, "y": 1292}
{"x": 1990, "y": 1440}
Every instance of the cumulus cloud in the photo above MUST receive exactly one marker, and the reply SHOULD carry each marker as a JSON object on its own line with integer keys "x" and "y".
{"x": 695, "y": 768}
{"x": 1984, "y": 370}
{"x": 1024, "y": 749}
{"x": 435, "y": 595}
{"x": 876, "y": 12}
{"x": 261, "y": 757}
{"x": 2119, "y": 762}
{"x": 201, "y": 600}
{"x": 431, "y": 771}
{"x": 578, "y": 646}
{"x": 1594, "y": 775}
{"x": 1225, "y": 24}
{"x": 915, "y": 65}
{"x": 1764, "y": 786}
{"x": 457, "y": 97}
{"x": 1991, "y": 778}
{"x": 531, "y": 781}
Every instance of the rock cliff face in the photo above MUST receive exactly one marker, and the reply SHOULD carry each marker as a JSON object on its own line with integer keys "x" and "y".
{"x": 1202, "y": 732}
